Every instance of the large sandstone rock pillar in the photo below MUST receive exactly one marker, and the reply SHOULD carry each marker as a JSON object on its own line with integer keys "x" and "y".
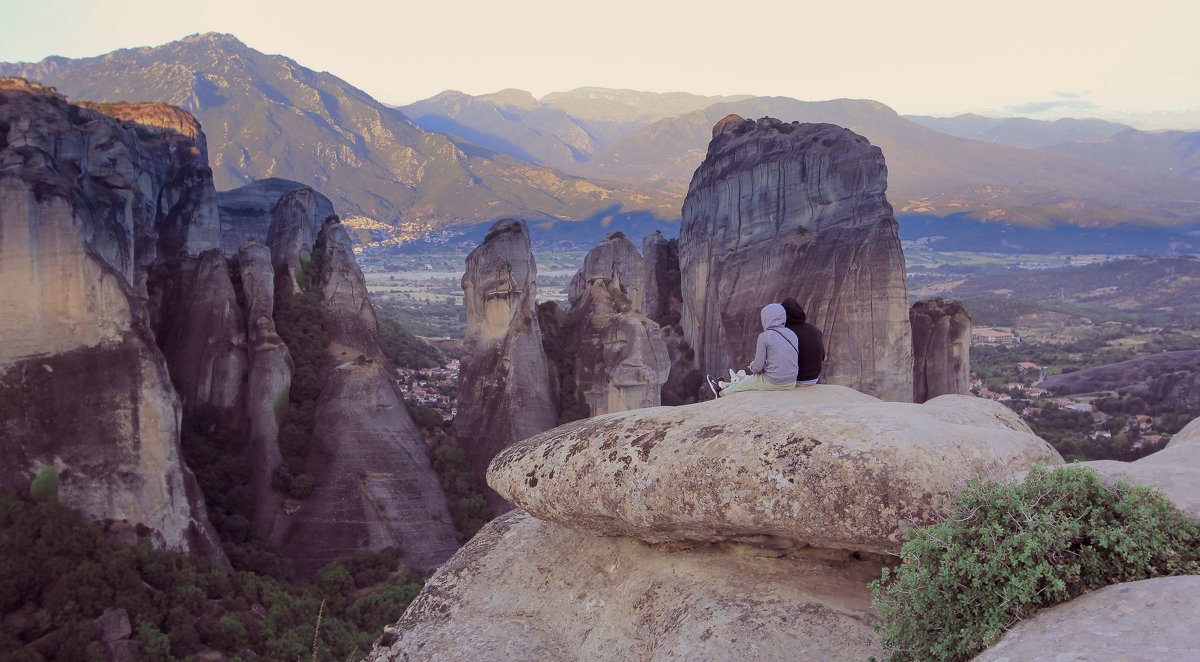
{"x": 799, "y": 210}
{"x": 622, "y": 361}
{"x": 504, "y": 385}
{"x": 941, "y": 348}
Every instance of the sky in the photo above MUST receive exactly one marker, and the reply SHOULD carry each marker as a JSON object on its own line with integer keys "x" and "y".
{"x": 1134, "y": 62}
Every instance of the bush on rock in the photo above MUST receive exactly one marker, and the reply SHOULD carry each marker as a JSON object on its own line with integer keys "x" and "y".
{"x": 1008, "y": 550}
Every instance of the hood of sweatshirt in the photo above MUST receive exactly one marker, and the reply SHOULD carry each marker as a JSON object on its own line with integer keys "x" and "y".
{"x": 771, "y": 315}
{"x": 795, "y": 312}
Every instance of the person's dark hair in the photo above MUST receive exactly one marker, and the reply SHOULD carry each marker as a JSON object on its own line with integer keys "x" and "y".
{"x": 795, "y": 312}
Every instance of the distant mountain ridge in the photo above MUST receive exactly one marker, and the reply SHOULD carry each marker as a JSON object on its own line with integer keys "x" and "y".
{"x": 610, "y": 156}
{"x": 267, "y": 116}
{"x": 930, "y": 171}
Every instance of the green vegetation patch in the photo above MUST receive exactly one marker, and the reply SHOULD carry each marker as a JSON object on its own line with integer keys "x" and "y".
{"x": 1008, "y": 550}
{"x": 405, "y": 350}
{"x": 61, "y": 572}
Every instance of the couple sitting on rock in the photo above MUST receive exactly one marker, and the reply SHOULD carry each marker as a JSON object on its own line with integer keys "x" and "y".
{"x": 789, "y": 351}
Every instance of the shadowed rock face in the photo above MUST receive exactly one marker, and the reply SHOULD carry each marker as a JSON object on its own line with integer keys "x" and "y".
{"x": 659, "y": 258}
{"x": 268, "y": 378}
{"x": 941, "y": 348}
{"x": 622, "y": 361}
{"x": 246, "y": 211}
{"x": 200, "y": 329}
{"x": 375, "y": 487}
{"x": 796, "y": 210}
{"x": 291, "y": 234}
{"x": 504, "y": 392}
{"x": 87, "y": 205}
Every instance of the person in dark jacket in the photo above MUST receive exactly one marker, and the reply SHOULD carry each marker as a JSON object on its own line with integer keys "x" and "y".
{"x": 811, "y": 352}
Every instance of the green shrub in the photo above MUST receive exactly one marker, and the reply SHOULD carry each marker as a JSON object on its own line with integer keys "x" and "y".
{"x": 1008, "y": 550}
{"x": 45, "y": 485}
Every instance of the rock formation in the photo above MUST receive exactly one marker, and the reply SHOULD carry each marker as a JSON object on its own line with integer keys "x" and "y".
{"x": 661, "y": 261}
{"x": 745, "y": 527}
{"x": 246, "y": 211}
{"x": 1171, "y": 378}
{"x": 504, "y": 384}
{"x": 87, "y": 205}
{"x": 941, "y": 348}
{"x": 824, "y": 466}
{"x": 1143, "y": 620}
{"x": 622, "y": 361}
{"x": 269, "y": 377}
{"x": 291, "y": 234}
{"x": 799, "y": 210}
{"x": 375, "y": 487}
{"x": 199, "y": 327}
{"x": 1175, "y": 470}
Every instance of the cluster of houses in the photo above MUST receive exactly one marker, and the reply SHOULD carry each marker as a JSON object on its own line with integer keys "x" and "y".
{"x": 435, "y": 387}
{"x": 1141, "y": 424}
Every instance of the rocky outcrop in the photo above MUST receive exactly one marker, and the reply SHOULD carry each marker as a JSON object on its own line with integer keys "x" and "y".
{"x": 941, "y": 348}
{"x": 622, "y": 361}
{"x": 823, "y": 466}
{"x": 375, "y": 487}
{"x": 661, "y": 260}
{"x": 352, "y": 326}
{"x": 245, "y": 212}
{"x": 745, "y": 527}
{"x": 291, "y": 234}
{"x": 1170, "y": 378}
{"x": 504, "y": 384}
{"x": 796, "y": 210}
{"x": 89, "y": 204}
{"x": 374, "y": 484}
{"x": 524, "y": 589}
{"x": 1143, "y": 620}
{"x": 199, "y": 327}
{"x": 268, "y": 378}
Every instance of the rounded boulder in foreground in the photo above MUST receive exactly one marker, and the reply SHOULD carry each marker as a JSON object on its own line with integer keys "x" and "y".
{"x": 824, "y": 466}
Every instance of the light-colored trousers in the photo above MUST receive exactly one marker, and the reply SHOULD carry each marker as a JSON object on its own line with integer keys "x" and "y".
{"x": 756, "y": 382}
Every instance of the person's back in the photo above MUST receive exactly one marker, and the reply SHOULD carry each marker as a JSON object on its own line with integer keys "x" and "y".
{"x": 810, "y": 354}
{"x": 774, "y": 364}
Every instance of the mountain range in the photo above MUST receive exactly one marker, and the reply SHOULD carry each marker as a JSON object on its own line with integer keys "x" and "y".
{"x": 613, "y": 156}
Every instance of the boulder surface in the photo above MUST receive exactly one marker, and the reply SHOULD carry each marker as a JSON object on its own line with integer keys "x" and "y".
{"x": 823, "y": 466}
{"x": 524, "y": 589}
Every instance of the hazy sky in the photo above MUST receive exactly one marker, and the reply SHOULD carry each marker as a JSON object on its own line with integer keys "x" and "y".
{"x": 1135, "y": 61}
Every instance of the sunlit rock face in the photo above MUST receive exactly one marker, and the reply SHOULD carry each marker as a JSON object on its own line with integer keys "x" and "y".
{"x": 88, "y": 205}
{"x": 796, "y": 210}
{"x": 504, "y": 385}
{"x": 941, "y": 348}
{"x": 622, "y": 361}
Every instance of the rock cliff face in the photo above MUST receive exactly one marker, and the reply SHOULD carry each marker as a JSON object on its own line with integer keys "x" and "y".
{"x": 745, "y": 527}
{"x": 799, "y": 210}
{"x": 622, "y": 361}
{"x": 504, "y": 384}
{"x": 268, "y": 378}
{"x": 661, "y": 261}
{"x": 245, "y": 212}
{"x": 291, "y": 234}
{"x": 88, "y": 204}
{"x": 375, "y": 487}
{"x": 199, "y": 327}
{"x": 941, "y": 348}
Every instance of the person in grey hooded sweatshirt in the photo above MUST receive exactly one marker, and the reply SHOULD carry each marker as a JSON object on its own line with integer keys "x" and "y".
{"x": 774, "y": 367}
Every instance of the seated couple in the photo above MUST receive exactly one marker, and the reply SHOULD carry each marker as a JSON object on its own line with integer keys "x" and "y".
{"x": 789, "y": 351}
